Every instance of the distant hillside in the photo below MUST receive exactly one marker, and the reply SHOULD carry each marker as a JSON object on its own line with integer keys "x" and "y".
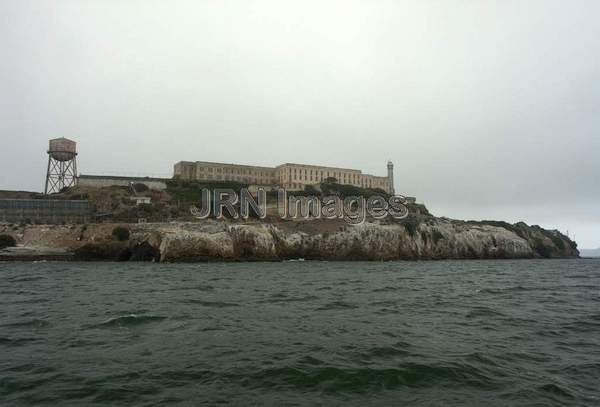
{"x": 589, "y": 252}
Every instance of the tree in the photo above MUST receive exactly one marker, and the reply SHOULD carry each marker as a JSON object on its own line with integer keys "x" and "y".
{"x": 121, "y": 233}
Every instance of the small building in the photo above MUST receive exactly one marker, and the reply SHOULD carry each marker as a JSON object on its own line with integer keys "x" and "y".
{"x": 141, "y": 200}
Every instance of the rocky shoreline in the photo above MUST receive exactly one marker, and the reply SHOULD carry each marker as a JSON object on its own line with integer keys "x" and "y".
{"x": 211, "y": 240}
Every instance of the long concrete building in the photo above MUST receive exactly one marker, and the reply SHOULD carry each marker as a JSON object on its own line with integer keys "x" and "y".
{"x": 101, "y": 181}
{"x": 290, "y": 176}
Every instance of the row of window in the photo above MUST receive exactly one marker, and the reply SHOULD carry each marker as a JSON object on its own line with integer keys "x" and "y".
{"x": 248, "y": 180}
{"x": 292, "y": 174}
{"x": 235, "y": 171}
{"x": 350, "y": 179}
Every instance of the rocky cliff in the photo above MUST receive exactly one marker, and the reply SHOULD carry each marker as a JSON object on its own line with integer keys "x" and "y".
{"x": 439, "y": 239}
{"x": 430, "y": 238}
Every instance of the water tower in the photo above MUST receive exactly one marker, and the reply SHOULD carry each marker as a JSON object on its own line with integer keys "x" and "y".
{"x": 62, "y": 165}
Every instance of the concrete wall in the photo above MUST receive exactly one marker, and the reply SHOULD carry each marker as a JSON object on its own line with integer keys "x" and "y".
{"x": 101, "y": 181}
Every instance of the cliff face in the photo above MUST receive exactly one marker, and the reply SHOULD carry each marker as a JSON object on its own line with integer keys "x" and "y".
{"x": 209, "y": 240}
{"x": 439, "y": 239}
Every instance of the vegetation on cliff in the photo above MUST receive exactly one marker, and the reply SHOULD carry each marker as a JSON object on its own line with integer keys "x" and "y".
{"x": 7, "y": 241}
{"x": 121, "y": 233}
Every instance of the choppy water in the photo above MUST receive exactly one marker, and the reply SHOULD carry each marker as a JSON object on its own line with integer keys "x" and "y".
{"x": 301, "y": 333}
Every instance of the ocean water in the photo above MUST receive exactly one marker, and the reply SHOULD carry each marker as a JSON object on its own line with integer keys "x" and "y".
{"x": 444, "y": 333}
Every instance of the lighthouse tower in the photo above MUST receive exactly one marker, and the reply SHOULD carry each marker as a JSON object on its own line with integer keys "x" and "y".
{"x": 390, "y": 175}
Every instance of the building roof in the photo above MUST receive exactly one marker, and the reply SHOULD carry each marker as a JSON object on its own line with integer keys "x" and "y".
{"x": 122, "y": 178}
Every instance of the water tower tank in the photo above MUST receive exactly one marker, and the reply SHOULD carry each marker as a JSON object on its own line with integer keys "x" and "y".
{"x": 62, "y": 149}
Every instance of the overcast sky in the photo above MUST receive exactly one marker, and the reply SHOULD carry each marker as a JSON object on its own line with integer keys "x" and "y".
{"x": 489, "y": 109}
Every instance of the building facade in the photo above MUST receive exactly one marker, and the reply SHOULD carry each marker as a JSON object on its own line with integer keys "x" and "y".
{"x": 289, "y": 176}
{"x": 101, "y": 181}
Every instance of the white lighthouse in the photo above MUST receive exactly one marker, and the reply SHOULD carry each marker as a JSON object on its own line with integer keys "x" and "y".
{"x": 390, "y": 175}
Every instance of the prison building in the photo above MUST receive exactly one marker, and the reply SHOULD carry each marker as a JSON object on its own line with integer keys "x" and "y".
{"x": 289, "y": 175}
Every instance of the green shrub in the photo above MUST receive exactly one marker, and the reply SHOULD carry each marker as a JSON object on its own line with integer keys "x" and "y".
{"x": 344, "y": 190}
{"x": 140, "y": 187}
{"x": 411, "y": 224}
{"x": 7, "y": 241}
{"x": 311, "y": 190}
{"x": 554, "y": 236}
{"x": 191, "y": 191}
{"x": 121, "y": 233}
{"x": 541, "y": 248}
{"x": 437, "y": 236}
{"x": 558, "y": 242}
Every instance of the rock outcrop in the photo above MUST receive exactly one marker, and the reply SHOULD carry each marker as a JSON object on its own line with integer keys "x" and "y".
{"x": 210, "y": 240}
{"x": 436, "y": 239}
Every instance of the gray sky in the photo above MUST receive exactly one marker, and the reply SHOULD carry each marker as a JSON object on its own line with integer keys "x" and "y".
{"x": 489, "y": 109}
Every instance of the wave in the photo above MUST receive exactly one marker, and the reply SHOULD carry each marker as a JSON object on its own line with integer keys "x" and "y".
{"x": 510, "y": 289}
{"x": 216, "y": 304}
{"x": 339, "y": 379}
{"x": 478, "y": 312}
{"x": 25, "y": 279}
{"x": 399, "y": 349}
{"x": 385, "y": 289}
{"x": 201, "y": 287}
{"x": 337, "y": 305}
{"x": 585, "y": 324}
{"x": 555, "y": 390}
{"x": 311, "y": 373}
{"x": 4, "y": 341}
{"x": 386, "y": 303}
{"x": 130, "y": 320}
{"x": 33, "y": 323}
{"x": 280, "y": 299}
